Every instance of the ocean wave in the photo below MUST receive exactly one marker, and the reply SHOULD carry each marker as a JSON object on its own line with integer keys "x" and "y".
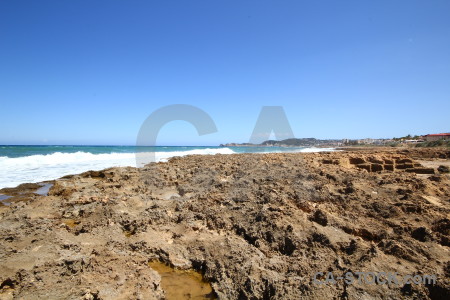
{"x": 314, "y": 149}
{"x": 37, "y": 168}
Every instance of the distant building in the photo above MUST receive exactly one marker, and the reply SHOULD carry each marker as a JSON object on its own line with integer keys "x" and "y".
{"x": 412, "y": 141}
{"x": 437, "y": 137}
{"x": 365, "y": 141}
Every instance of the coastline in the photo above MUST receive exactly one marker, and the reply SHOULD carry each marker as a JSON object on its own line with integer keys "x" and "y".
{"x": 254, "y": 225}
{"x": 31, "y": 164}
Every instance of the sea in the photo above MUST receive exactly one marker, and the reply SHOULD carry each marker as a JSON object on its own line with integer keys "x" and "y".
{"x": 26, "y": 164}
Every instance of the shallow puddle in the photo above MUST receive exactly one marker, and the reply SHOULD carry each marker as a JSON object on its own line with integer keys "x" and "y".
{"x": 182, "y": 284}
{"x": 71, "y": 223}
{"x": 3, "y": 198}
{"x": 43, "y": 190}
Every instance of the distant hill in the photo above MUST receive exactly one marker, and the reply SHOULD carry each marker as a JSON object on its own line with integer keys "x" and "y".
{"x": 303, "y": 142}
{"x": 292, "y": 142}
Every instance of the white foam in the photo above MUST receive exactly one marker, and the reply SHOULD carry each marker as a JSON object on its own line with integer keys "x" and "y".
{"x": 314, "y": 149}
{"x": 37, "y": 168}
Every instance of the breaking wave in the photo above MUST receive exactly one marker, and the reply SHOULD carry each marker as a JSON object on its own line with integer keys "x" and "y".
{"x": 37, "y": 168}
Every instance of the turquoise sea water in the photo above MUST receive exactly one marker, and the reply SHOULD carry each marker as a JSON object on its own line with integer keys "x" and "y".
{"x": 21, "y": 151}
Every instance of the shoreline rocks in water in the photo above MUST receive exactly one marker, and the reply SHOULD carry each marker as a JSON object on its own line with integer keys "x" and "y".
{"x": 256, "y": 226}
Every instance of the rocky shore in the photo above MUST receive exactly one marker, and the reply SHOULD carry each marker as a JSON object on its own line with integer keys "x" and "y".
{"x": 257, "y": 226}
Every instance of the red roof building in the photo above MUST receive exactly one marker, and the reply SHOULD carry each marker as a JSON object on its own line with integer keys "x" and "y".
{"x": 437, "y": 137}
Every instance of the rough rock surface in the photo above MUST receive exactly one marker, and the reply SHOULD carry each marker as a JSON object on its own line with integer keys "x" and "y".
{"x": 258, "y": 226}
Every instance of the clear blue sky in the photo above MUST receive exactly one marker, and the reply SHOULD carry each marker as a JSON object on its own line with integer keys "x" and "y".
{"x": 90, "y": 72}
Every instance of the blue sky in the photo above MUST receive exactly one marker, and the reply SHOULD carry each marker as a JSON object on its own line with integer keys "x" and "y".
{"x": 91, "y": 72}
